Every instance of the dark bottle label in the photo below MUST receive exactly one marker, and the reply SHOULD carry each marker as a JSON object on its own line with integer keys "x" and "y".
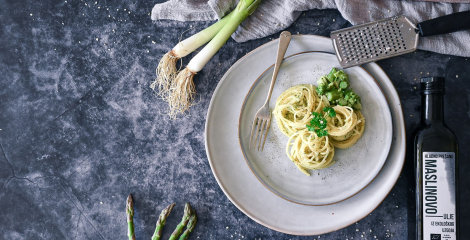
{"x": 438, "y": 184}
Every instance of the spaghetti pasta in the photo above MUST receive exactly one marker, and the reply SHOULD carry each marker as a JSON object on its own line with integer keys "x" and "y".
{"x": 344, "y": 121}
{"x": 308, "y": 151}
{"x": 349, "y": 139}
{"x": 294, "y": 108}
{"x": 313, "y": 128}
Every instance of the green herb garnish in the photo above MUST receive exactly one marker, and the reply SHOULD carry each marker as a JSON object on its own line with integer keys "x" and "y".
{"x": 331, "y": 112}
{"x": 318, "y": 124}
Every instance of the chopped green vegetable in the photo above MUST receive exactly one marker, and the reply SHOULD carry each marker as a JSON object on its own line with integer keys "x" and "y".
{"x": 334, "y": 95}
{"x": 338, "y": 75}
{"x": 343, "y": 85}
{"x": 357, "y": 106}
{"x": 335, "y": 86}
{"x": 322, "y": 83}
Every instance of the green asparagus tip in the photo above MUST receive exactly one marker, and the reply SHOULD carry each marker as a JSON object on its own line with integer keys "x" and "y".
{"x": 130, "y": 205}
{"x": 188, "y": 212}
{"x": 130, "y": 217}
{"x": 165, "y": 213}
{"x": 162, "y": 221}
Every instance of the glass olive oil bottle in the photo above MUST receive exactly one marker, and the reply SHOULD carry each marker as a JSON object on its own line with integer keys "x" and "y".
{"x": 436, "y": 173}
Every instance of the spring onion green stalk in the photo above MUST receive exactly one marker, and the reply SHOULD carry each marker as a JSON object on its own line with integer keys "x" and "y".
{"x": 166, "y": 69}
{"x": 182, "y": 90}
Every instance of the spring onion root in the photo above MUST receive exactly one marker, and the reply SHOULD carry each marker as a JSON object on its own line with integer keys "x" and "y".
{"x": 167, "y": 69}
{"x": 182, "y": 89}
{"x": 182, "y": 93}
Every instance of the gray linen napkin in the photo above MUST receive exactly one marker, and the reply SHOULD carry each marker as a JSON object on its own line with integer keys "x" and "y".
{"x": 275, "y": 15}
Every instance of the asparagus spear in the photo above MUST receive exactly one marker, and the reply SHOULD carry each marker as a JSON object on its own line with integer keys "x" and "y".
{"x": 179, "y": 229}
{"x": 130, "y": 217}
{"x": 191, "y": 224}
{"x": 161, "y": 222}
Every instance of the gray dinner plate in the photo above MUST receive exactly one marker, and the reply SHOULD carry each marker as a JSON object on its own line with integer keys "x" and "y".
{"x": 354, "y": 167}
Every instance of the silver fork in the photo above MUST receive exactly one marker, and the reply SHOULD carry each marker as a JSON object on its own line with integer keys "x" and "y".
{"x": 262, "y": 120}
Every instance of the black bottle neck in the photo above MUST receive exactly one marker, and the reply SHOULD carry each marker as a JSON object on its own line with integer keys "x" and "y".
{"x": 433, "y": 108}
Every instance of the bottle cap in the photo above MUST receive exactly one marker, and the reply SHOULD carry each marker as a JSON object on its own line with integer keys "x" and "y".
{"x": 431, "y": 85}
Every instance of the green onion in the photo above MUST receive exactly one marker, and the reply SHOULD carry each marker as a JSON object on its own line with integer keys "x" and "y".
{"x": 182, "y": 90}
{"x": 166, "y": 69}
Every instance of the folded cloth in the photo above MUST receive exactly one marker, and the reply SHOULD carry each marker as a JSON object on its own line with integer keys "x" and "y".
{"x": 274, "y": 15}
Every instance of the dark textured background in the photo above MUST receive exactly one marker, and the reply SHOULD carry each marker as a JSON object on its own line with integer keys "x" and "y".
{"x": 80, "y": 128}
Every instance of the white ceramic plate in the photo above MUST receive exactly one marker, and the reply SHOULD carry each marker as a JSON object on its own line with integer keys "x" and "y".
{"x": 242, "y": 187}
{"x": 354, "y": 167}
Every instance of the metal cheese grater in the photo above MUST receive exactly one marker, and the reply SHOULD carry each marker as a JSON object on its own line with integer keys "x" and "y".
{"x": 390, "y": 37}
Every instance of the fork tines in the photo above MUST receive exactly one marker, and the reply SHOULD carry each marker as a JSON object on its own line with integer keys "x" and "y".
{"x": 259, "y": 131}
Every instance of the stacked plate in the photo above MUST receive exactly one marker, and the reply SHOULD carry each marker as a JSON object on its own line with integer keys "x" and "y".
{"x": 266, "y": 185}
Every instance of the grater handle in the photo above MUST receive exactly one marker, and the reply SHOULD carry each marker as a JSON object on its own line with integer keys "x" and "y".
{"x": 445, "y": 24}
